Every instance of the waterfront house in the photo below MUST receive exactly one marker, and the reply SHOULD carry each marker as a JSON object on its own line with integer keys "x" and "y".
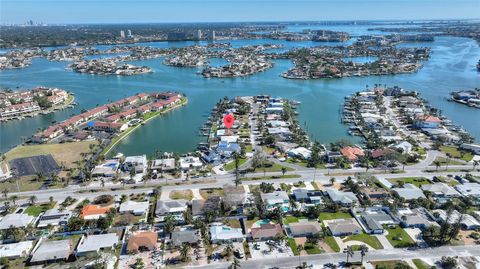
{"x": 427, "y": 121}
{"x": 222, "y": 233}
{"x": 171, "y": 207}
{"x": 96, "y": 242}
{"x": 276, "y": 199}
{"x": 342, "y": 198}
{"x": 165, "y": 165}
{"x": 226, "y": 149}
{"x": 139, "y": 163}
{"x": 440, "y": 190}
{"x": 48, "y": 251}
{"x": 475, "y": 148}
{"x": 107, "y": 169}
{"x": 190, "y": 162}
{"x": 303, "y": 228}
{"x": 54, "y": 217}
{"x": 16, "y": 221}
{"x": 141, "y": 241}
{"x": 16, "y": 250}
{"x": 135, "y": 208}
{"x": 352, "y": 153}
{"x": 343, "y": 227}
{"x": 266, "y": 231}
{"x": 300, "y": 152}
{"x": 111, "y": 127}
{"x": 405, "y": 146}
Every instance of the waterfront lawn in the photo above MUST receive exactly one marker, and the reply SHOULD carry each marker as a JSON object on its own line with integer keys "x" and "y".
{"x": 399, "y": 238}
{"x": 334, "y": 215}
{"x": 312, "y": 249}
{"x": 231, "y": 165}
{"x": 420, "y": 264}
{"x": 457, "y": 153}
{"x": 274, "y": 168}
{"x": 177, "y": 195}
{"x": 205, "y": 193}
{"x": 330, "y": 241}
{"x": 291, "y": 243}
{"x": 365, "y": 238}
{"x": 66, "y": 154}
{"x": 36, "y": 210}
{"x": 417, "y": 181}
{"x": 444, "y": 161}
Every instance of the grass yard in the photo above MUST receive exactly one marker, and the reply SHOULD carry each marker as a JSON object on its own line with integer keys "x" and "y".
{"x": 291, "y": 219}
{"x": 274, "y": 168}
{"x": 272, "y": 177}
{"x": 231, "y": 165}
{"x": 365, "y": 238}
{"x": 268, "y": 150}
{"x": 443, "y": 161}
{"x": 417, "y": 181}
{"x": 456, "y": 153}
{"x": 248, "y": 148}
{"x": 334, "y": 215}
{"x": 234, "y": 223}
{"x": 27, "y": 183}
{"x": 330, "y": 241}
{"x": 399, "y": 238}
{"x": 205, "y": 193}
{"x": 65, "y": 153}
{"x": 304, "y": 163}
{"x": 388, "y": 264}
{"x": 291, "y": 243}
{"x": 312, "y": 249}
{"x": 36, "y": 210}
{"x": 420, "y": 264}
{"x": 186, "y": 195}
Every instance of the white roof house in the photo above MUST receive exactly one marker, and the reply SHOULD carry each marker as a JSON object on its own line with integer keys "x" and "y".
{"x": 409, "y": 192}
{"x": 52, "y": 250}
{"x": 441, "y": 189}
{"x": 300, "y": 152}
{"x": 136, "y": 208}
{"x": 106, "y": 169}
{"x": 405, "y": 146}
{"x": 164, "y": 164}
{"x": 220, "y": 232}
{"x": 54, "y": 217}
{"x": 96, "y": 242}
{"x": 469, "y": 189}
{"x": 137, "y": 162}
{"x": 190, "y": 162}
{"x": 468, "y": 221}
{"x": 340, "y": 197}
{"x": 173, "y": 207}
{"x": 16, "y": 250}
{"x": 16, "y": 220}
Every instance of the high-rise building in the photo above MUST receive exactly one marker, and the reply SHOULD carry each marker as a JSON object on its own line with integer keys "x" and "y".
{"x": 122, "y": 34}
{"x": 212, "y": 35}
{"x": 129, "y": 33}
{"x": 197, "y": 35}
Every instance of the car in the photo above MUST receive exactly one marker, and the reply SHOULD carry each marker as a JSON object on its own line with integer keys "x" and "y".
{"x": 238, "y": 254}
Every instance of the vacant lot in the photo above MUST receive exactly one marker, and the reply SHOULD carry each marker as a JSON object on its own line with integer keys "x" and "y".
{"x": 186, "y": 195}
{"x": 334, "y": 215}
{"x": 456, "y": 153}
{"x": 417, "y": 181}
{"x": 64, "y": 154}
{"x": 365, "y": 238}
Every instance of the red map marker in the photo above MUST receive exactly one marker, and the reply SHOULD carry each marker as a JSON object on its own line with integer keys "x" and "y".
{"x": 228, "y": 120}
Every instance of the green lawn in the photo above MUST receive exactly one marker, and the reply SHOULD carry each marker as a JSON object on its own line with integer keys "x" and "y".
{"x": 231, "y": 165}
{"x": 330, "y": 241}
{"x": 234, "y": 223}
{"x": 36, "y": 210}
{"x": 304, "y": 163}
{"x": 420, "y": 264}
{"x": 186, "y": 195}
{"x": 27, "y": 183}
{"x": 443, "y": 161}
{"x": 388, "y": 264}
{"x": 312, "y": 249}
{"x": 205, "y": 193}
{"x": 268, "y": 150}
{"x": 248, "y": 148}
{"x": 274, "y": 168}
{"x": 417, "y": 181}
{"x": 291, "y": 243}
{"x": 272, "y": 177}
{"x": 399, "y": 238}
{"x": 291, "y": 219}
{"x": 365, "y": 238}
{"x": 334, "y": 215}
{"x": 456, "y": 153}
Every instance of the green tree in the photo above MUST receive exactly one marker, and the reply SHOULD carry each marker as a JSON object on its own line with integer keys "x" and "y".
{"x": 349, "y": 252}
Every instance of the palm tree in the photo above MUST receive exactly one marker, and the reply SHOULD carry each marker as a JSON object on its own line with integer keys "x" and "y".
{"x": 32, "y": 199}
{"x": 170, "y": 223}
{"x": 437, "y": 164}
{"x": 300, "y": 248}
{"x": 363, "y": 251}
{"x": 5, "y": 193}
{"x": 237, "y": 172}
{"x": 235, "y": 264}
{"x": 449, "y": 156}
{"x": 332, "y": 180}
{"x": 14, "y": 199}
{"x": 349, "y": 252}
{"x": 184, "y": 250}
{"x": 284, "y": 170}
{"x": 229, "y": 250}
{"x": 475, "y": 164}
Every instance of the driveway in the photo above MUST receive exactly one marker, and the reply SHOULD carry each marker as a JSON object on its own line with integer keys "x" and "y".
{"x": 384, "y": 241}
{"x": 263, "y": 251}
{"x": 416, "y": 235}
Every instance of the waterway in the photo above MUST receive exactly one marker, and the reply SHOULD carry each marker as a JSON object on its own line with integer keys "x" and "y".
{"x": 451, "y": 67}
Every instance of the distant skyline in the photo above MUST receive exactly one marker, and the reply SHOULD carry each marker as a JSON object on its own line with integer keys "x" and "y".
{"x": 141, "y": 11}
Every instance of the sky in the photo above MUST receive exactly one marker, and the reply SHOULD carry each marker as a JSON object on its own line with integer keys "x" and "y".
{"x": 139, "y": 11}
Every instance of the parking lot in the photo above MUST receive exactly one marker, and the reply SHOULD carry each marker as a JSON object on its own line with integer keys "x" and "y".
{"x": 261, "y": 250}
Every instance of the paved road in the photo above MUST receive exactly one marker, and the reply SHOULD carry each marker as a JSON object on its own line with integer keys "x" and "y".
{"x": 373, "y": 255}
